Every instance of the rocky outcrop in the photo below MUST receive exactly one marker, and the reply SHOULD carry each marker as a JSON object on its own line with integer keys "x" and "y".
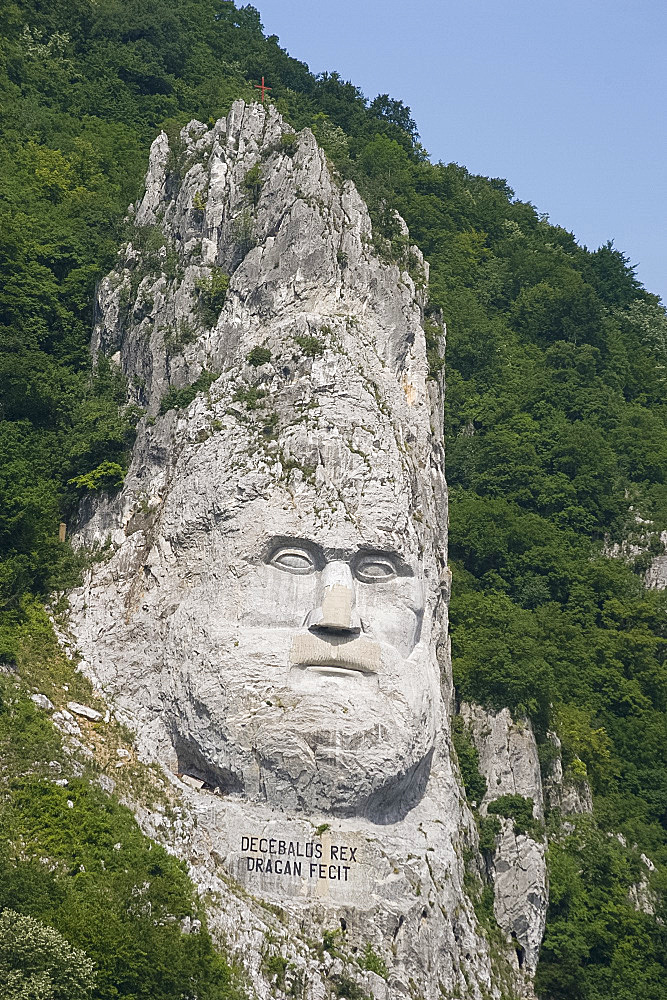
{"x": 508, "y": 756}
{"x": 270, "y": 612}
{"x": 645, "y": 548}
{"x": 656, "y": 574}
{"x": 564, "y": 793}
{"x": 509, "y": 762}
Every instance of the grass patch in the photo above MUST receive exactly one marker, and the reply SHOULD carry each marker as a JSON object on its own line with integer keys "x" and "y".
{"x": 179, "y": 399}
{"x": 312, "y": 347}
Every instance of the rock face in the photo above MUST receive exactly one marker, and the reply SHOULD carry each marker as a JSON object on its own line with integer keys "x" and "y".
{"x": 270, "y": 614}
{"x": 507, "y": 755}
{"x": 509, "y": 762}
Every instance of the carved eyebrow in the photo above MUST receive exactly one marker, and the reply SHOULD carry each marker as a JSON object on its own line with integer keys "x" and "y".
{"x": 290, "y": 542}
{"x": 402, "y": 567}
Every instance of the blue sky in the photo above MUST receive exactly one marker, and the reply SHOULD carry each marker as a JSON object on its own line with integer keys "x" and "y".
{"x": 566, "y": 100}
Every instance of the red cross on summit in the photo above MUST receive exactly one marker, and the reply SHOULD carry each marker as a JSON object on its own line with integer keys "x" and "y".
{"x": 261, "y": 86}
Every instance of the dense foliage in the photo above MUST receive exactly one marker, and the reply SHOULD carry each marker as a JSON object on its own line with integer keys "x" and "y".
{"x": 36, "y": 961}
{"x": 556, "y": 415}
{"x": 605, "y": 935}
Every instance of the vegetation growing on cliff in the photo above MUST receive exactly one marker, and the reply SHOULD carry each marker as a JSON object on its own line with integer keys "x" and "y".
{"x": 556, "y": 414}
{"x": 73, "y": 859}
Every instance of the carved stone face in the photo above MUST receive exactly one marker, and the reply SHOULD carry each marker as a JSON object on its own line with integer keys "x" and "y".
{"x": 271, "y": 607}
{"x": 311, "y": 681}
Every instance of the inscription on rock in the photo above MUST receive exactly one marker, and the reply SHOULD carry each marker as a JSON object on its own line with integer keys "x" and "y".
{"x": 301, "y": 859}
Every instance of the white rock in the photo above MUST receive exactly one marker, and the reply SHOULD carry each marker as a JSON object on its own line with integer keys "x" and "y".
{"x": 509, "y": 761}
{"x": 188, "y": 779}
{"x": 84, "y": 710}
{"x": 42, "y": 702}
{"x": 520, "y": 891}
{"x": 64, "y": 721}
{"x": 106, "y": 783}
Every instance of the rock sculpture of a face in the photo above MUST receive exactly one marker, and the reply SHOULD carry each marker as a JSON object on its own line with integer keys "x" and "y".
{"x": 271, "y": 617}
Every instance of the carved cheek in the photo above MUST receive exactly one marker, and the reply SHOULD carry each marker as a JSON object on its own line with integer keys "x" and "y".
{"x": 278, "y": 599}
{"x": 392, "y": 614}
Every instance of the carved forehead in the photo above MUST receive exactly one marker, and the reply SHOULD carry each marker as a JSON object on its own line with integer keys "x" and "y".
{"x": 349, "y": 501}
{"x": 248, "y": 532}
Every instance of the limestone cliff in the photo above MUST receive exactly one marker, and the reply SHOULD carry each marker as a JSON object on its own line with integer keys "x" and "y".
{"x": 269, "y": 609}
{"x": 510, "y": 765}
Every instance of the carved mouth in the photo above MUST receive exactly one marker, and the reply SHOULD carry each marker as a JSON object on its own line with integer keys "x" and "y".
{"x": 334, "y": 668}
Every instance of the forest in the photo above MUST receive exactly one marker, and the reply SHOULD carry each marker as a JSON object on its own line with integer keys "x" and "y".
{"x": 556, "y": 438}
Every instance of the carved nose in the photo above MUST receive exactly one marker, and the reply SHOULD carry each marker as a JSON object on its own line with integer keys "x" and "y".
{"x": 336, "y": 610}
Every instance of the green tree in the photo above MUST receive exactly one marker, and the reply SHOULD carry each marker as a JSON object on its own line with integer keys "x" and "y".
{"x": 37, "y": 963}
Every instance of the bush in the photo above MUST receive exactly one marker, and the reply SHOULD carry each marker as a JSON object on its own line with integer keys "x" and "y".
{"x": 212, "y": 295}
{"x": 253, "y": 182}
{"x": 258, "y": 356}
{"x": 179, "y": 399}
{"x": 275, "y": 967}
{"x": 250, "y": 396}
{"x": 330, "y": 939}
{"x": 107, "y": 476}
{"x": 515, "y": 807}
{"x": 372, "y": 962}
{"x": 347, "y": 989}
{"x": 489, "y": 828}
{"x": 436, "y": 363}
{"x": 312, "y": 347}
{"x": 474, "y": 781}
{"x": 289, "y": 141}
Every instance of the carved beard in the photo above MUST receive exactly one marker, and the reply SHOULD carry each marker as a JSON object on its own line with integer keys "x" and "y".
{"x": 250, "y": 722}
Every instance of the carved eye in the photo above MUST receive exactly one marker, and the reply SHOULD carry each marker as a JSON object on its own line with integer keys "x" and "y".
{"x": 375, "y": 569}
{"x": 293, "y": 560}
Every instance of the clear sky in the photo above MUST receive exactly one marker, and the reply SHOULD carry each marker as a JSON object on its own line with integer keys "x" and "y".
{"x": 565, "y": 99}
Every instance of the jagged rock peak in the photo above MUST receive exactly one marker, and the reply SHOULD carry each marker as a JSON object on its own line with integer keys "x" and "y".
{"x": 250, "y": 202}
